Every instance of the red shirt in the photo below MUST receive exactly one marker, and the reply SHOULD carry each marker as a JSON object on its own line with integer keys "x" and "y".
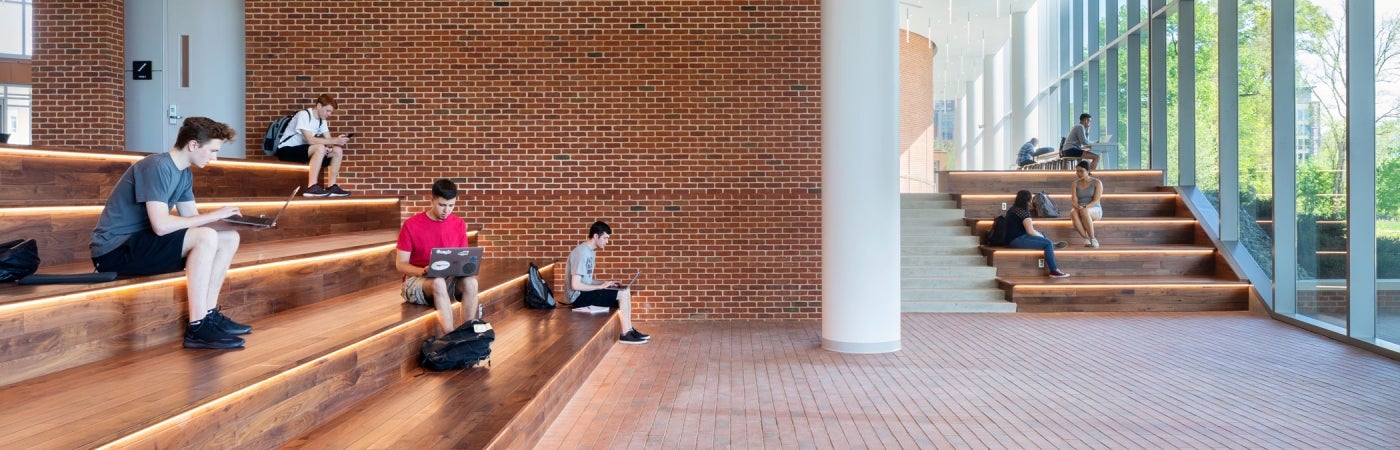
{"x": 420, "y": 234}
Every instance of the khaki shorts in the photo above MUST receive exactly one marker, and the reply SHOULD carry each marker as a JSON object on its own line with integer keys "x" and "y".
{"x": 413, "y": 290}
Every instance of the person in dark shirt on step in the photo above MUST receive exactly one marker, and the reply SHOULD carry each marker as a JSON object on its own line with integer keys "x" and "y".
{"x": 1021, "y": 233}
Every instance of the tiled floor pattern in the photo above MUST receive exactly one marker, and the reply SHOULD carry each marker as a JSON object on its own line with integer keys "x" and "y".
{"x": 1120, "y": 381}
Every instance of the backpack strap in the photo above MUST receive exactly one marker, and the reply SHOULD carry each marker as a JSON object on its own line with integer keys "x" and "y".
{"x": 285, "y": 138}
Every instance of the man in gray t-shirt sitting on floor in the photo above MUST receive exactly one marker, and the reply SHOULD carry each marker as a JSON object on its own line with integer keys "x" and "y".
{"x": 589, "y": 295}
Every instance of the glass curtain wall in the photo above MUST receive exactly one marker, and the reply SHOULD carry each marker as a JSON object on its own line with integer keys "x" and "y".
{"x": 1316, "y": 289}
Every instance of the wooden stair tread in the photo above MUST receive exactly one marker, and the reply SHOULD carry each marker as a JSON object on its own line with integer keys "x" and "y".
{"x": 1174, "y": 280}
{"x": 202, "y": 201}
{"x": 105, "y": 400}
{"x": 1076, "y": 247}
{"x": 467, "y": 408}
{"x": 247, "y": 255}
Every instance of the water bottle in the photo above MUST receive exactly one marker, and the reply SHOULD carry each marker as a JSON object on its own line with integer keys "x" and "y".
{"x": 480, "y": 312}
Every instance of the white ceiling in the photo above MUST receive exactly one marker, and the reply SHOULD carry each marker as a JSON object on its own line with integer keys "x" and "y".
{"x": 963, "y": 30}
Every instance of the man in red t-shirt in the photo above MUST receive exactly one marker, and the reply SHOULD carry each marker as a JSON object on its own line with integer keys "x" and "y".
{"x": 435, "y": 228}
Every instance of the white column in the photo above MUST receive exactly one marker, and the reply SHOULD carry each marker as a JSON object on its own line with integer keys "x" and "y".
{"x": 990, "y": 88}
{"x": 974, "y": 158}
{"x": 958, "y": 159}
{"x": 1020, "y": 77}
{"x": 860, "y": 177}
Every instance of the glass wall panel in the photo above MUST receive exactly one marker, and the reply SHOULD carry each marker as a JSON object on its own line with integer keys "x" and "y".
{"x": 1208, "y": 94}
{"x": 1321, "y": 178}
{"x": 1173, "y": 99}
{"x": 1388, "y": 172}
{"x": 1143, "y": 103}
{"x": 1256, "y": 133}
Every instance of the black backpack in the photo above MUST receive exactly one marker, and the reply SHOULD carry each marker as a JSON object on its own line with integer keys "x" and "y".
{"x": 1043, "y": 206}
{"x": 996, "y": 236}
{"x": 272, "y": 138}
{"x": 537, "y": 292}
{"x": 463, "y": 347}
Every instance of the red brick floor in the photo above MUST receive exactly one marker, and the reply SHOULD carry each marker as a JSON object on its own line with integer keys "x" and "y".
{"x": 1200, "y": 380}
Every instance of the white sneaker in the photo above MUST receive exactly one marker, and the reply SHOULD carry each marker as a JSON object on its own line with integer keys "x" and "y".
{"x": 1094, "y": 243}
{"x": 592, "y": 309}
{"x": 1088, "y": 243}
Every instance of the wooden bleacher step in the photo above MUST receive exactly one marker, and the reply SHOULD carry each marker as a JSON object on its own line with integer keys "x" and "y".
{"x": 1153, "y": 255}
{"x": 300, "y": 366}
{"x": 539, "y": 360}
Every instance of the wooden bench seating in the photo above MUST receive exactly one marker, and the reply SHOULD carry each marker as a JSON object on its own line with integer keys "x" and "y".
{"x": 1153, "y": 255}
{"x": 88, "y": 365}
{"x": 299, "y": 367}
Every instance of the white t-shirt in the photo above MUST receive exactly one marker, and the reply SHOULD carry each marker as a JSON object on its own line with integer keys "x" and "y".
{"x": 292, "y": 136}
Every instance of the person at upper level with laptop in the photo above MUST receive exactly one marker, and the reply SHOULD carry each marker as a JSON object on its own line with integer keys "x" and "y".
{"x": 1077, "y": 143}
{"x": 433, "y": 228}
{"x": 308, "y": 140}
{"x": 137, "y": 235}
{"x": 587, "y": 294}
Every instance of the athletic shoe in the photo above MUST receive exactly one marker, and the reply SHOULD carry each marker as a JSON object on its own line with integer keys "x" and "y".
{"x": 1094, "y": 243}
{"x": 204, "y": 334}
{"x": 336, "y": 191}
{"x": 1058, "y": 274}
{"x": 314, "y": 190}
{"x": 1061, "y": 244}
{"x": 592, "y": 309}
{"x": 225, "y": 324}
{"x": 629, "y": 338}
{"x": 639, "y": 335}
{"x": 1089, "y": 243}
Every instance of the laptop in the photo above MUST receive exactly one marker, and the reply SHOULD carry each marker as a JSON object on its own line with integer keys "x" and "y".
{"x": 1105, "y": 139}
{"x": 629, "y": 282}
{"x": 454, "y": 262}
{"x": 262, "y": 221}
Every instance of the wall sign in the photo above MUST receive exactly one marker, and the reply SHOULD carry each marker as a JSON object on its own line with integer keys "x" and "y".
{"x": 140, "y": 70}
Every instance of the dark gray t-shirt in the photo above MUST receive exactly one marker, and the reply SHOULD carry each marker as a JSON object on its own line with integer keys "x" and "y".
{"x": 580, "y": 263}
{"x": 153, "y": 178}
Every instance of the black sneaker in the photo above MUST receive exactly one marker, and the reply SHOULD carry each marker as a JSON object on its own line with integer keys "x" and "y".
{"x": 314, "y": 191}
{"x": 629, "y": 338}
{"x": 203, "y": 334}
{"x": 336, "y": 191}
{"x": 638, "y": 334}
{"x": 226, "y": 324}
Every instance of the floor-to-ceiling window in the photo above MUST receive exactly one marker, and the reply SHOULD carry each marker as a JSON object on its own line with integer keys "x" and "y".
{"x": 1321, "y": 153}
{"x": 1256, "y": 131}
{"x": 14, "y": 113}
{"x": 1387, "y": 22}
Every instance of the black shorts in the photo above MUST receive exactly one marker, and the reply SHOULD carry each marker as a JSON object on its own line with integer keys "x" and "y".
{"x": 600, "y": 297}
{"x": 298, "y": 153}
{"x": 1072, "y": 153}
{"x": 144, "y": 253}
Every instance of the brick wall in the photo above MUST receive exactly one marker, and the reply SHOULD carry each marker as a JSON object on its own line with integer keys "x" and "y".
{"x": 77, "y": 75}
{"x": 692, "y": 127}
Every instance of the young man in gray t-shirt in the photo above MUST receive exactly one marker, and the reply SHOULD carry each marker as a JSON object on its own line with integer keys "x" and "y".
{"x": 137, "y": 235}
{"x": 590, "y": 295}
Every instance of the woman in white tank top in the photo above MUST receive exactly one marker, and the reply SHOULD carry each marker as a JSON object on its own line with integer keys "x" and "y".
{"x": 1085, "y": 193}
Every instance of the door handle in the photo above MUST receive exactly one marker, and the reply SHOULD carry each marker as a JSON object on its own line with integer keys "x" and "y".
{"x": 174, "y": 115}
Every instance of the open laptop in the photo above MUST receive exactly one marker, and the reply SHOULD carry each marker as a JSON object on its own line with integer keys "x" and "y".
{"x": 262, "y": 221}
{"x": 629, "y": 282}
{"x": 454, "y": 262}
{"x": 1105, "y": 139}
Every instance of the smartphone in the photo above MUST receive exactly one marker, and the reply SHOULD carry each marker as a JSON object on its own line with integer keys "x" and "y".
{"x": 350, "y": 135}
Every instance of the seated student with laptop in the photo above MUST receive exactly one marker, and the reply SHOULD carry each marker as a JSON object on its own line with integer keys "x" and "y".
{"x": 137, "y": 235}
{"x": 436, "y": 228}
{"x": 1077, "y": 144}
{"x": 590, "y": 295}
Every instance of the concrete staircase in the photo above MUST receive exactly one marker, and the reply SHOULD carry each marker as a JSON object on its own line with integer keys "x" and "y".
{"x": 942, "y": 269}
